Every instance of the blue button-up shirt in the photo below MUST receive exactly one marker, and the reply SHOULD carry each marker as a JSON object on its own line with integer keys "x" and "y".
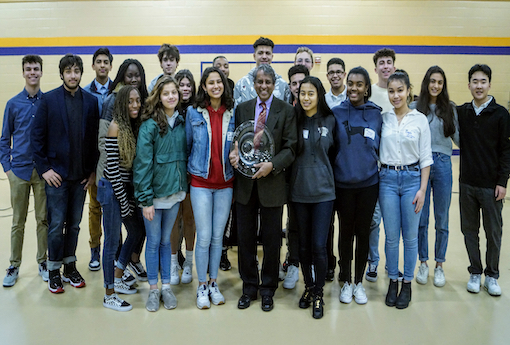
{"x": 15, "y": 151}
{"x": 100, "y": 91}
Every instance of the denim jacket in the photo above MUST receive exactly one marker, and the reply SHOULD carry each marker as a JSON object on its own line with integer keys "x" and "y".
{"x": 199, "y": 136}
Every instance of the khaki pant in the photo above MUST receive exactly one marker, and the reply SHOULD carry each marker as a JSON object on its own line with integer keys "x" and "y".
{"x": 94, "y": 218}
{"x": 20, "y": 193}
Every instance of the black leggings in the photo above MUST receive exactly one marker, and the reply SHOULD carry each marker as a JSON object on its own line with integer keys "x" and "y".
{"x": 356, "y": 207}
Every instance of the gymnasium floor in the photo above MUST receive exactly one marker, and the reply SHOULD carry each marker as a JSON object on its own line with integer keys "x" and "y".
{"x": 30, "y": 314}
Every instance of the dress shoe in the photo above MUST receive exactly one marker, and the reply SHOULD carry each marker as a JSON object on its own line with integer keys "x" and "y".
{"x": 244, "y": 302}
{"x": 404, "y": 297}
{"x": 267, "y": 303}
{"x": 391, "y": 296}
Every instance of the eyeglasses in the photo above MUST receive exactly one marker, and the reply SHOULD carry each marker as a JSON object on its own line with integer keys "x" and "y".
{"x": 332, "y": 73}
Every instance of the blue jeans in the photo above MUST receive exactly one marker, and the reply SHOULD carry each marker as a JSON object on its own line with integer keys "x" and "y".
{"x": 313, "y": 222}
{"x": 112, "y": 223}
{"x": 65, "y": 209}
{"x": 158, "y": 253}
{"x": 440, "y": 181}
{"x": 373, "y": 239}
{"x": 211, "y": 208}
{"x": 397, "y": 190}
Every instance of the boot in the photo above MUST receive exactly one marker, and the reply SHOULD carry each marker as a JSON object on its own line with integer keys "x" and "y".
{"x": 404, "y": 297}
{"x": 391, "y": 296}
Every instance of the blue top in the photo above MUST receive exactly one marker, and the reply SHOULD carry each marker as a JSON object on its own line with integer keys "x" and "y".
{"x": 100, "y": 91}
{"x": 19, "y": 112}
{"x": 358, "y": 133}
{"x": 199, "y": 138}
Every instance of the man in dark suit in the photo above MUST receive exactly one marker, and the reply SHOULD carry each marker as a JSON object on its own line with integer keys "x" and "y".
{"x": 265, "y": 191}
{"x": 64, "y": 142}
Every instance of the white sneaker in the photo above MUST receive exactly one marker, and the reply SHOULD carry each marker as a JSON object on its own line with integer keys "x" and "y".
{"x": 215, "y": 294}
{"x": 187, "y": 276}
{"x": 43, "y": 271}
{"x": 153, "y": 300}
{"x": 291, "y": 278}
{"x": 169, "y": 299}
{"x": 439, "y": 278}
{"x": 116, "y": 303}
{"x": 128, "y": 278}
{"x": 423, "y": 274}
{"x": 492, "y": 286}
{"x": 360, "y": 296}
{"x": 474, "y": 283}
{"x": 346, "y": 293}
{"x": 120, "y": 286}
{"x": 371, "y": 274}
{"x": 203, "y": 297}
{"x": 174, "y": 274}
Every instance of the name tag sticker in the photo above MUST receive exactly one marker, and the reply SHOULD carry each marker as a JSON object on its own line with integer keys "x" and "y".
{"x": 369, "y": 133}
{"x": 230, "y": 136}
{"x": 306, "y": 132}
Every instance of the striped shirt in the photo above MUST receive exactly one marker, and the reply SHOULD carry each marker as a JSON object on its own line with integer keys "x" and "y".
{"x": 118, "y": 176}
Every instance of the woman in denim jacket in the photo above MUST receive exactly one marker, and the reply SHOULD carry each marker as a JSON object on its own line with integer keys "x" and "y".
{"x": 159, "y": 176}
{"x": 209, "y": 132}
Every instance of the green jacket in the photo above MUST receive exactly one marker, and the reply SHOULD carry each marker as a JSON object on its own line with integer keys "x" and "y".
{"x": 159, "y": 168}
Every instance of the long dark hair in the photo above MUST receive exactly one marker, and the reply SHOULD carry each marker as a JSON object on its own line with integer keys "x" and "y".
{"x": 153, "y": 107}
{"x": 186, "y": 73}
{"x": 203, "y": 99}
{"x": 323, "y": 109}
{"x": 128, "y": 127}
{"x": 444, "y": 109}
{"x": 122, "y": 71}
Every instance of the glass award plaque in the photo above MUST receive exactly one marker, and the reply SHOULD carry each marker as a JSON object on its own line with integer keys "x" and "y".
{"x": 253, "y": 148}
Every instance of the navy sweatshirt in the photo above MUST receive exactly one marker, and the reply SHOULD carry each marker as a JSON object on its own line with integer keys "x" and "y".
{"x": 358, "y": 133}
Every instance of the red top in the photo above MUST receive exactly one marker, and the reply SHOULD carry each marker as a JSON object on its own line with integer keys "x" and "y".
{"x": 216, "y": 179}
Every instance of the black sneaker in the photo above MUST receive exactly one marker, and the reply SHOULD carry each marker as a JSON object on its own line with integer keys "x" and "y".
{"x": 224, "y": 262}
{"x": 72, "y": 276}
{"x": 330, "y": 274}
{"x": 138, "y": 270}
{"x": 55, "y": 282}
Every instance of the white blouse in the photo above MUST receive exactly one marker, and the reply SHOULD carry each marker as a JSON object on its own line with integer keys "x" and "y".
{"x": 405, "y": 143}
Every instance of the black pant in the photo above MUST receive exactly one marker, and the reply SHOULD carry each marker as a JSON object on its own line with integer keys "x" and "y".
{"x": 292, "y": 237}
{"x": 313, "y": 222}
{"x": 356, "y": 207}
{"x": 270, "y": 233}
{"x": 471, "y": 200}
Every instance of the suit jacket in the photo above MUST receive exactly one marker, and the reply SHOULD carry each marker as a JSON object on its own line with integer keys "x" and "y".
{"x": 50, "y": 133}
{"x": 281, "y": 122}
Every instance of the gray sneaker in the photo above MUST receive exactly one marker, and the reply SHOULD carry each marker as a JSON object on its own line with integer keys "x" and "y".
{"x": 11, "y": 276}
{"x": 422, "y": 276}
{"x": 291, "y": 278}
{"x": 169, "y": 299}
{"x": 474, "y": 283}
{"x": 43, "y": 271}
{"x": 153, "y": 300}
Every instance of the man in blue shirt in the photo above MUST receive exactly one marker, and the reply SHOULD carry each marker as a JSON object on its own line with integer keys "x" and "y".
{"x": 99, "y": 87}
{"x": 17, "y": 161}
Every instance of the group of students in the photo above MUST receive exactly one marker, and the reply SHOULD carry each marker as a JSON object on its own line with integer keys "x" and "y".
{"x": 361, "y": 150}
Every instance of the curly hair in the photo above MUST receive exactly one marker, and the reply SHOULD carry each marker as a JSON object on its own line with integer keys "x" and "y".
{"x": 153, "y": 106}
{"x": 128, "y": 127}
{"x": 203, "y": 100}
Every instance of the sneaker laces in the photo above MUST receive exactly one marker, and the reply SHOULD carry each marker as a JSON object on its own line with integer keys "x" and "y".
{"x": 11, "y": 270}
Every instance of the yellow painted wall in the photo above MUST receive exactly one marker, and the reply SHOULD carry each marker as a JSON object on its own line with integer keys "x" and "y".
{"x": 199, "y": 22}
